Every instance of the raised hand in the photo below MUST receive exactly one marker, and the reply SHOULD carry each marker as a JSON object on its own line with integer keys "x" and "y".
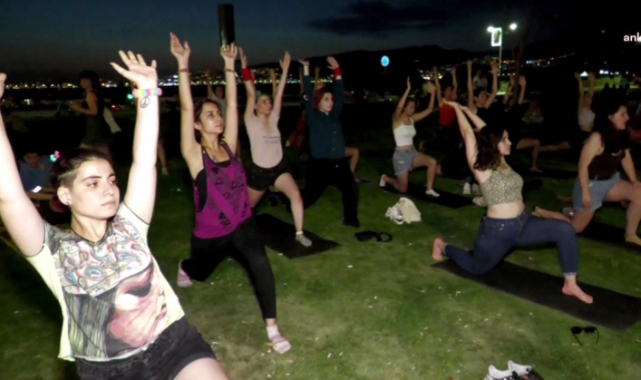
{"x": 3, "y": 79}
{"x": 284, "y": 63}
{"x": 409, "y": 83}
{"x": 304, "y": 62}
{"x": 243, "y": 58}
{"x": 512, "y": 80}
{"x": 272, "y": 75}
{"x": 494, "y": 68}
{"x": 316, "y": 70}
{"x": 591, "y": 76}
{"x": 333, "y": 64}
{"x": 453, "y": 70}
{"x": 208, "y": 73}
{"x": 229, "y": 54}
{"x": 577, "y": 76}
{"x": 431, "y": 88}
{"x": 469, "y": 65}
{"x": 144, "y": 76}
{"x": 522, "y": 80}
{"x": 181, "y": 52}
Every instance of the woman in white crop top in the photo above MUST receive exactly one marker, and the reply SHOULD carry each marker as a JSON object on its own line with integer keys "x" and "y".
{"x": 405, "y": 156}
{"x": 268, "y": 163}
{"x": 585, "y": 113}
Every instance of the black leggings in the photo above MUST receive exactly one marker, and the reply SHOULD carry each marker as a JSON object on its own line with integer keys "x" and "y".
{"x": 324, "y": 172}
{"x": 246, "y": 246}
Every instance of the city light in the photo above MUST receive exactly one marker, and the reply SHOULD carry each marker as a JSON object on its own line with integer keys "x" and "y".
{"x": 490, "y": 29}
{"x": 385, "y": 61}
{"x": 513, "y": 26}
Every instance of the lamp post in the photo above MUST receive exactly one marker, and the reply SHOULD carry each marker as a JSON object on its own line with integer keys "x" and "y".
{"x": 497, "y": 40}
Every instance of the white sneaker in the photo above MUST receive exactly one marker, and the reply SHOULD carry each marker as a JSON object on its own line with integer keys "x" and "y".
{"x": 476, "y": 189}
{"x": 432, "y": 193}
{"x": 522, "y": 370}
{"x": 495, "y": 374}
{"x": 467, "y": 190}
{"x": 382, "y": 183}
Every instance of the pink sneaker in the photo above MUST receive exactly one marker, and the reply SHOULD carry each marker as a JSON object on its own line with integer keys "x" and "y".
{"x": 183, "y": 278}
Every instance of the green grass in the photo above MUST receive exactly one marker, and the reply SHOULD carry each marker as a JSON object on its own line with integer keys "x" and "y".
{"x": 362, "y": 311}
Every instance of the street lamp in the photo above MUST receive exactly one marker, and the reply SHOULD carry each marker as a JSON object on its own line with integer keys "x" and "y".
{"x": 497, "y": 40}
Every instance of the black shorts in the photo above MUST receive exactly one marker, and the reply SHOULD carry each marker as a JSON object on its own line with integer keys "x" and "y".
{"x": 260, "y": 179}
{"x": 178, "y": 346}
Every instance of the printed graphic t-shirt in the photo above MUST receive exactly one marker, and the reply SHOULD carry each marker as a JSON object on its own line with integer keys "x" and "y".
{"x": 114, "y": 299}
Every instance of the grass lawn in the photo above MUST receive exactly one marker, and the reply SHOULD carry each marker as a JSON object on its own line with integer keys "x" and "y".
{"x": 362, "y": 311}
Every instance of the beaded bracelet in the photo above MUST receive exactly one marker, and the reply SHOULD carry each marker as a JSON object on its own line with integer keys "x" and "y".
{"x": 144, "y": 93}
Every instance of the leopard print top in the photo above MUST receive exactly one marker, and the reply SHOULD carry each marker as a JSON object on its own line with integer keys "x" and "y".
{"x": 503, "y": 186}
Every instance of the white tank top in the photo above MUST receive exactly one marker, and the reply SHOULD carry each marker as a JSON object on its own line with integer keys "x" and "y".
{"x": 404, "y": 134}
{"x": 586, "y": 116}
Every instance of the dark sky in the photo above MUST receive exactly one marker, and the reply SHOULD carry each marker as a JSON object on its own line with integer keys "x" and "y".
{"x": 68, "y": 36}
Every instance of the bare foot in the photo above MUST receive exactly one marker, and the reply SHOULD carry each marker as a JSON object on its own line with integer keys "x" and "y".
{"x": 535, "y": 169}
{"x": 574, "y": 291}
{"x": 437, "y": 249}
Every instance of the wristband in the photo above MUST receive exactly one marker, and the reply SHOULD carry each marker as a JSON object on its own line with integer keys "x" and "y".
{"x": 145, "y": 93}
{"x": 247, "y": 75}
{"x": 185, "y": 70}
{"x": 337, "y": 72}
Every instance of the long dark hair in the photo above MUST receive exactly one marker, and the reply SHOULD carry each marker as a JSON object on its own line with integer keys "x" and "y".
{"x": 487, "y": 145}
{"x": 613, "y": 139}
{"x": 198, "y": 110}
{"x": 93, "y": 77}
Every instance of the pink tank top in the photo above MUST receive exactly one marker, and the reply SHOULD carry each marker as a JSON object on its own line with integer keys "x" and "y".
{"x": 220, "y": 197}
{"x": 266, "y": 147}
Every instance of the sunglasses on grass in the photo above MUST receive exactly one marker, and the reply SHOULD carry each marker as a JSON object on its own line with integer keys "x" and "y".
{"x": 588, "y": 330}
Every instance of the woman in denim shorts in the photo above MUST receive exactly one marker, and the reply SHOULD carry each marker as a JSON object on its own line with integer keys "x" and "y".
{"x": 405, "y": 156}
{"x": 599, "y": 180}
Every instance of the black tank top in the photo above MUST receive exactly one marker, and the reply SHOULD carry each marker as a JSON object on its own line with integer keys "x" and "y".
{"x": 97, "y": 127}
{"x": 605, "y": 165}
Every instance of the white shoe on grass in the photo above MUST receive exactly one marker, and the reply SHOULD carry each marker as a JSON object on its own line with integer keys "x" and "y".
{"x": 467, "y": 189}
{"x": 523, "y": 370}
{"x": 495, "y": 374}
{"x": 432, "y": 193}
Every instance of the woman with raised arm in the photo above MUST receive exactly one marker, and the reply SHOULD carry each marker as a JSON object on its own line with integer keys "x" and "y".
{"x": 97, "y": 133}
{"x": 405, "y": 156}
{"x": 585, "y": 114}
{"x": 224, "y": 222}
{"x": 328, "y": 165}
{"x": 478, "y": 100}
{"x": 506, "y": 223}
{"x": 607, "y": 148}
{"x": 269, "y": 166}
{"x": 121, "y": 318}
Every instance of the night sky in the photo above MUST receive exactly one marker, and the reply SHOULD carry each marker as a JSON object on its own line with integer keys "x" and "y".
{"x": 67, "y": 36}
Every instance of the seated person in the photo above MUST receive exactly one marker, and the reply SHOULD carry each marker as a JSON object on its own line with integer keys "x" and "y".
{"x": 35, "y": 173}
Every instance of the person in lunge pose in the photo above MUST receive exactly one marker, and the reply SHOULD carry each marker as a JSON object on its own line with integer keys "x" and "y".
{"x": 328, "y": 165}
{"x": 506, "y": 223}
{"x": 224, "y": 222}
{"x": 269, "y": 166}
{"x": 405, "y": 156}
{"x": 607, "y": 148}
{"x": 97, "y": 132}
{"x": 121, "y": 318}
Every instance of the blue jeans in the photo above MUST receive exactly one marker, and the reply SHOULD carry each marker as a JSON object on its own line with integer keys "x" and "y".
{"x": 496, "y": 237}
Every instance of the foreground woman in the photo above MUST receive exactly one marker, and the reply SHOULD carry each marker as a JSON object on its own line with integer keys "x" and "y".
{"x": 121, "y": 319}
